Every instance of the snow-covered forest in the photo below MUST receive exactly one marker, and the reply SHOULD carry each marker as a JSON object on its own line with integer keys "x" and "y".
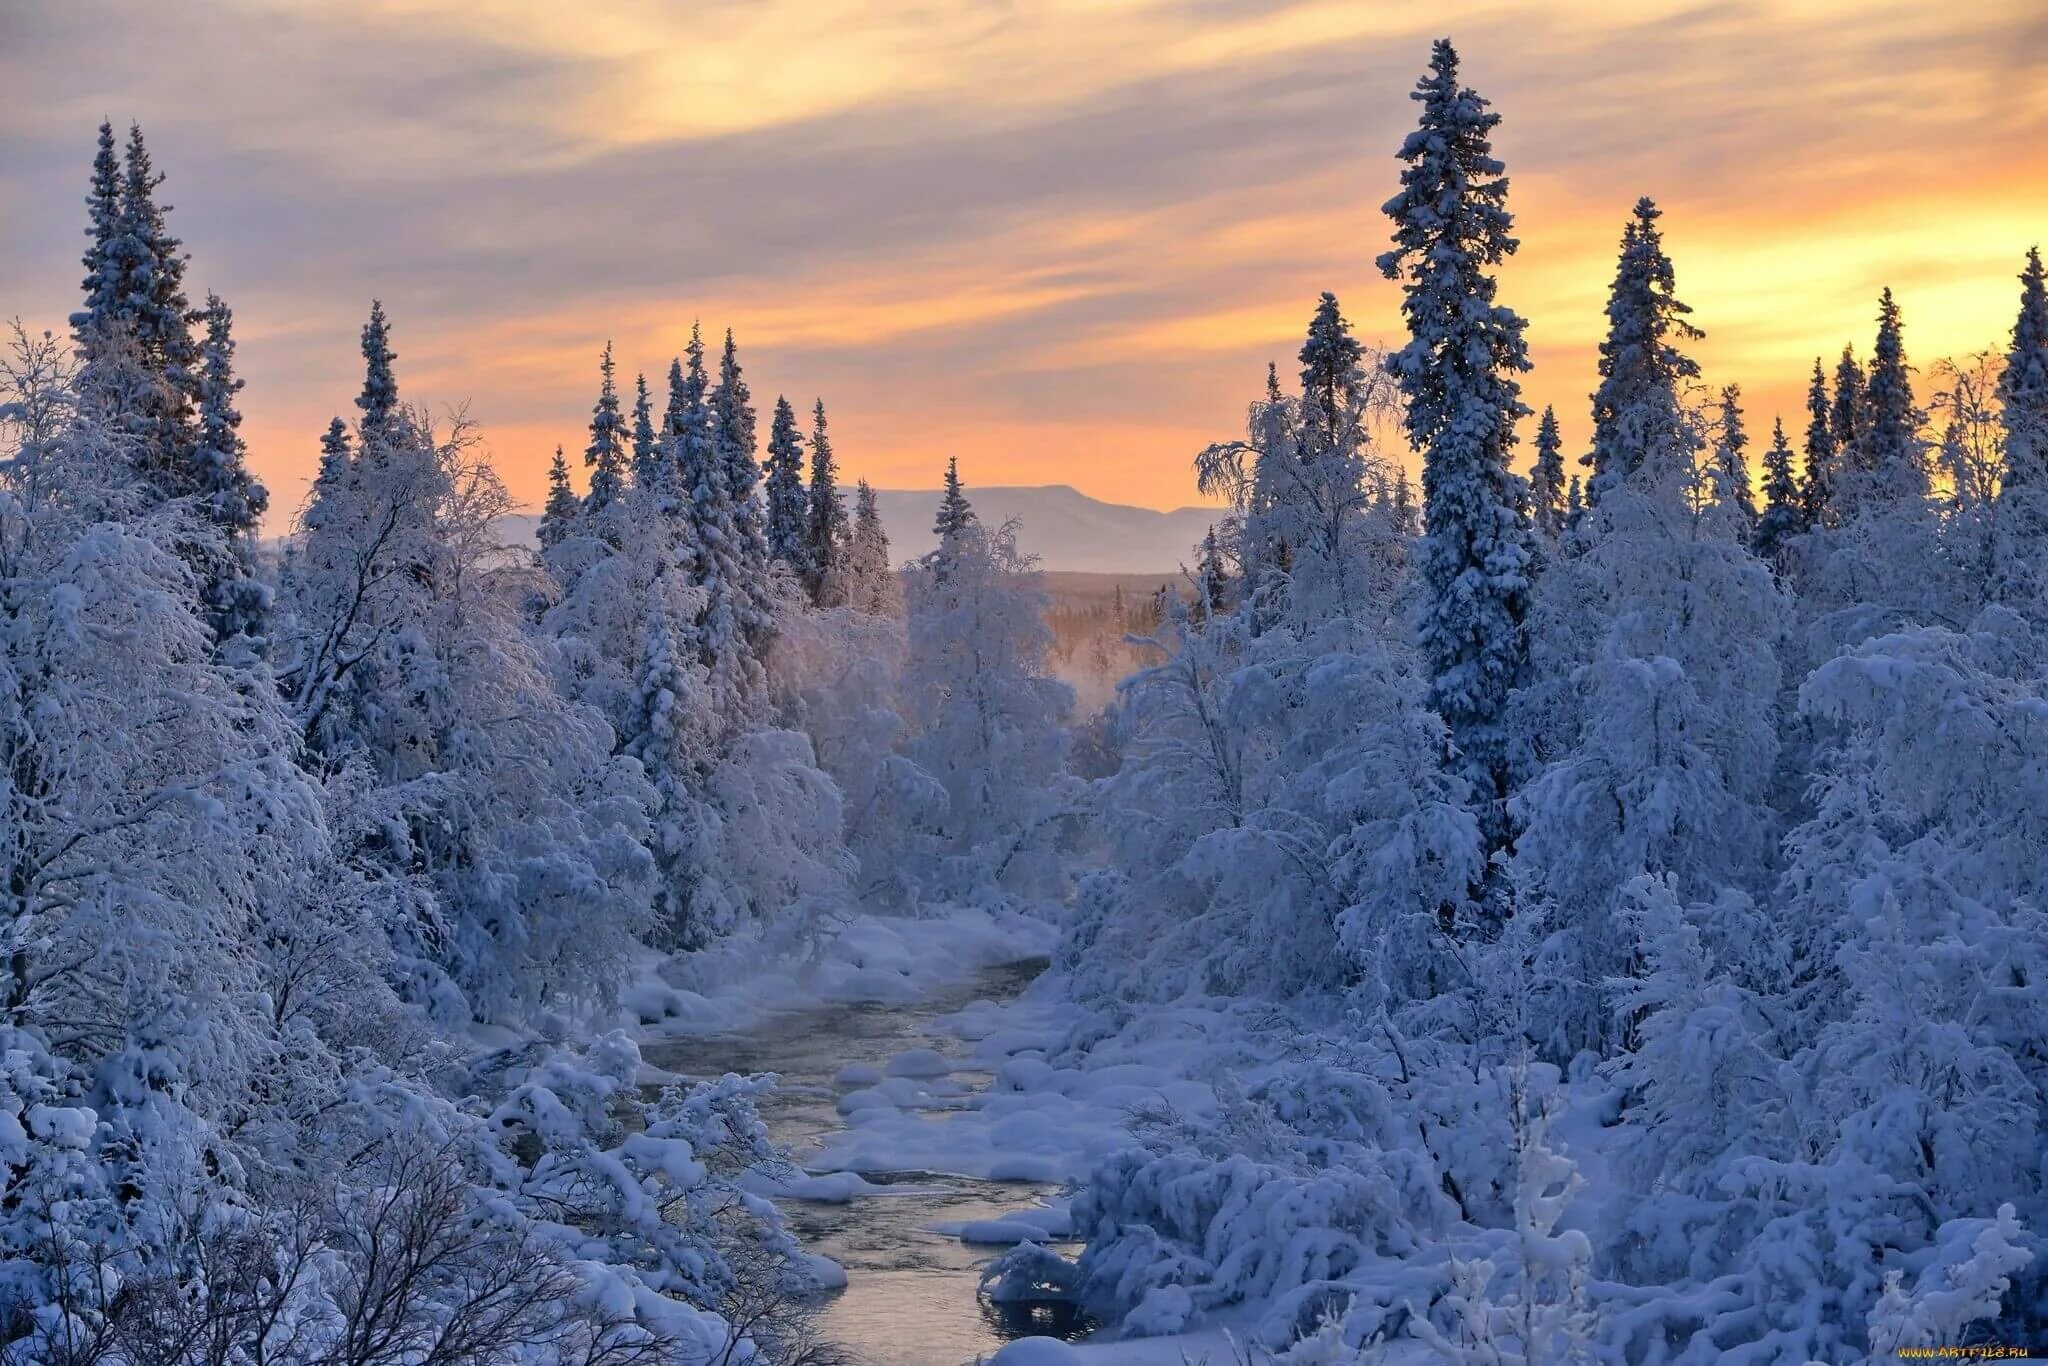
{"x": 1582, "y": 907}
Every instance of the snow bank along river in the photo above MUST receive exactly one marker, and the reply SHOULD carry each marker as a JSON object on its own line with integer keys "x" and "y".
{"x": 910, "y": 1297}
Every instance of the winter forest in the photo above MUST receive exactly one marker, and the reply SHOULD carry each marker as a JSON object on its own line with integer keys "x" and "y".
{"x": 1580, "y": 907}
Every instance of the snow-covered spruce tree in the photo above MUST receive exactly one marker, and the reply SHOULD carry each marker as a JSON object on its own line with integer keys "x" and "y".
{"x": 1452, "y": 230}
{"x": 1890, "y": 461}
{"x": 1882, "y": 560}
{"x": 2021, "y": 506}
{"x": 2023, "y": 384}
{"x": 732, "y": 413}
{"x": 955, "y": 514}
{"x": 514, "y": 846}
{"x": 733, "y": 676}
{"x": 825, "y": 526}
{"x": 135, "y": 331}
{"x": 1546, "y": 484}
{"x": 987, "y": 717}
{"x": 606, "y": 457}
{"x": 1310, "y": 495}
{"x": 1845, "y": 416}
{"x": 1656, "y": 669}
{"x": 871, "y": 582}
{"x": 1211, "y": 579}
{"x": 1640, "y": 355}
{"x": 1728, "y": 478}
{"x": 788, "y": 506}
{"x": 1784, "y": 514}
{"x": 1816, "y": 491}
{"x": 229, "y": 497}
{"x": 562, "y": 512}
{"x": 646, "y": 447}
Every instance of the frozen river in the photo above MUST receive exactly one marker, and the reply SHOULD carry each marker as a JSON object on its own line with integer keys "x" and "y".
{"x": 910, "y": 1298}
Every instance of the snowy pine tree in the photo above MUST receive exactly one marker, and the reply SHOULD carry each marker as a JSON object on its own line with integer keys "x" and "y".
{"x": 1784, "y": 514}
{"x": 646, "y": 448}
{"x": 561, "y": 515}
{"x": 1546, "y": 485}
{"x": 606, "y": 457}
{"x": 229, "y": 497}
{"x": 1817, "y": 492}
{"x": 825, "y": 527}
{"x": 2023, "y": 384}
{"x": 788, "y": 505}
{"x": 1728, "y": 480}
{"x": 955, "y": 513}
{"x": 1639, "y": 356}
{"x": 1890, "y": 453}
{"x": 732, "y": 412}
{"x": 1451, "y": 230}
{"x": 872, "y": 585}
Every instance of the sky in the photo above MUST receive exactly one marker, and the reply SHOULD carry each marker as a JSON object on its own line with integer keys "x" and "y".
{"x": 1060, "y": 239}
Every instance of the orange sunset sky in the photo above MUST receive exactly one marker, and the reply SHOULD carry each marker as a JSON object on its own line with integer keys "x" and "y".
{"x": 1060, "y": 238}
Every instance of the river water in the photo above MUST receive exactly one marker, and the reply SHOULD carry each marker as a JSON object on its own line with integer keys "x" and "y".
{"x": 910, "y": 1297}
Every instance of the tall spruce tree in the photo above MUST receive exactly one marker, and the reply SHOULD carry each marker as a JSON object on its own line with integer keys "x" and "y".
{"x": 606, "y": 455}
{"x": 1546, "y": 485}
{"x": 646, "y": 447}
{"x": 135, "y": 331}
{"x": 563, "y": 509}
{"x": 825, "y": 526}
{"x": 102, "y": 285}
{"x": 1892, "y": 451}
{"x": 1784, "y": 514}
{"x": 788, "y": 505}
{"x": 734, "y": 434}
{"x": 229, "y": 496}
{"x": 1817, "y": 492}
{"x": 2023, "y": 385}
{"x": 1330, "y": 374}
{"x": 1729, "y": 477}
{"x": 1452, "y": 229}
{"x": 378, "y": 402}
{"x": 956, "y": 514}
{"x": 1845, "y": 418}
{"x": 1640, "y": 360}
{"x": 872, "y": 585}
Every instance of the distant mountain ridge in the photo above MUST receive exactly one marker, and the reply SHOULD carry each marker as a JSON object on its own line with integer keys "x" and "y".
{"x": 1065, "y": 528}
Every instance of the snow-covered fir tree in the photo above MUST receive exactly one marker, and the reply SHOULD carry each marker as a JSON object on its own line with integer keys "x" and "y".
{"x": 563, "y": 511}
{"x": 607, "y": 457}
{"x": 1784, "y": 514}
{"x": 871, "y": 584}
{"x": 1657, "y": 673}
{"x": 1640, "y": 354}
{"x": 1546, "y": 483}
{"x": 1846, "y": 415}
{"x": 788, "y": 504}
{"x": 1816, "y": 491}
{"x": 1452, "y": 231}
{"x": 733, "y": 438}
{"x": 825, "y": 525}
{"x": 2023, "y": 384}
{"x": 1728, "y": 480}
{"x": 646, "y": 447}
{"x": 229, "y": 497}
{"x": 1890, "y": 461}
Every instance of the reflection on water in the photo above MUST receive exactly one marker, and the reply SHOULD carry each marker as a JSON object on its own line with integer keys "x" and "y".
{"x": 910, "y": 1297}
